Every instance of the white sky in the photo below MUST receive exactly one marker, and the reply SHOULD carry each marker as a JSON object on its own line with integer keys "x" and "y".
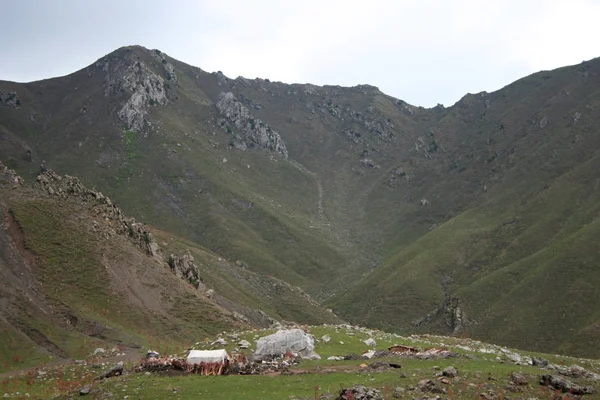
{"x": 422, "y": 51}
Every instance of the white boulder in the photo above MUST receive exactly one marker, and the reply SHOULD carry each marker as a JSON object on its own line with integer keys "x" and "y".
{"x": 283, "y": 341}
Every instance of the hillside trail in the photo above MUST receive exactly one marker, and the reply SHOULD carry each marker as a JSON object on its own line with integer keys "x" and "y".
{"x": 302, "y": 168}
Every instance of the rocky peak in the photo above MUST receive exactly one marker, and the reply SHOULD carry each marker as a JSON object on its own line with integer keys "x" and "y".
{"x": 145, "y": 88}
{"x": 252, "y": 131}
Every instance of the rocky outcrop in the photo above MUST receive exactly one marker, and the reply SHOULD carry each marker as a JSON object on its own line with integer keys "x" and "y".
{"x": 9, "y": 99}
{"x": 184, "y": 267}
{"x": 252, "y": 131}
{"x": 9, "y": 177}
{"x": 147, "y": 89}
{"x": 360, "y": 392}
{"x": 565, "y": 385}
{"x": 450, "y": 311}
{"x": 114, "y": 221}
{"x": 168, "y": 67}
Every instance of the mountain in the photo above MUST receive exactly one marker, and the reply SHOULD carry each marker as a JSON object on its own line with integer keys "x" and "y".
{"x": 477, "y": 219}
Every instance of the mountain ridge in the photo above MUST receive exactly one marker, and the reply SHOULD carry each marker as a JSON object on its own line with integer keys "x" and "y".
{"x": 402, "y": 213}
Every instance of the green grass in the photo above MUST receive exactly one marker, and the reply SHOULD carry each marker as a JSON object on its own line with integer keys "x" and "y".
{"x": 477, "y": 374}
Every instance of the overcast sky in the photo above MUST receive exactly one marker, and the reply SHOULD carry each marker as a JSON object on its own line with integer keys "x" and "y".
{"x": 422, "y": 51}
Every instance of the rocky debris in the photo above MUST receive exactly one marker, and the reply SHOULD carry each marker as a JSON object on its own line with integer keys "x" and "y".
{"x": 9, "y": 177}
{"x": 565, "y": 385}
{"x": 360, "y": 392}
{"x": 576, "y": 371}
{"x": 251, "y": 103}
{"x": 220, "y": 342}
{"x": 518, "y": 379}
{"x": 539, "y": 362}
{"x": 368, "y": 163}
{"x": 184, "y": 267}
{"x": 69, "y": 187}
{"x": 9, "y": 99}
{"x": 85, "y": 390}
{"x": 450, "y": 372}
{"x": 168, "y": 67}
{"x": 126, "y": 75}
{"x": 429, "y": 386}
{"x": 254, "y": 132}
{"x": 370, "y": 342}
{"x": 114, "y": 371}
{"x": 99, "y": 351}
{"x": 243, "y": 344}
{"x": 384, "y": 365}
{"x": 326, "y": 338}
{"x": 286, "y": 341}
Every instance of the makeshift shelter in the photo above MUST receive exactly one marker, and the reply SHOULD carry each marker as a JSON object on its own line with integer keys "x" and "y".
{"x": 208, "y": 362}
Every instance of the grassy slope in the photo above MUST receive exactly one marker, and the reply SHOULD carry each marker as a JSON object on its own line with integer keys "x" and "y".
{"x": 114, "y": 293}
{"x": 487, "y": 368}
{"x": 485, "y": 166}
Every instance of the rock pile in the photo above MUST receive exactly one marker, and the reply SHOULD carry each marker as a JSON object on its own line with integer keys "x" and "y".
{"x": 9, "y": 177}
{"x": 254, "y": 132}
{"x": 360, "y": 392}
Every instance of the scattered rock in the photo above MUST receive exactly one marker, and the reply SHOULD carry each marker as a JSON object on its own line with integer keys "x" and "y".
{"x": 565, "y": 385}
{"x": 99, "y": 351}
{"x": 114, "y": 371}
{"x": 518, "y": 379}
{"x": 85, "y": 390}
{"x": 450, "y": 372}
{"x": 243, "y": 344}
{"x": 540, "y": 362}
{"x": 326, "y": 338}
{"x": 360, "y": 392}
{"x": 370, "y": 342}
{"x": 9, "y": 177}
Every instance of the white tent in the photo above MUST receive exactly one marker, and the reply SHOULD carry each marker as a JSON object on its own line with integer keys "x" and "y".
{"x": 207, "y": 356}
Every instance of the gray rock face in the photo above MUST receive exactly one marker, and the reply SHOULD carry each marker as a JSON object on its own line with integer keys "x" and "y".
{"x": 147, "y": 89}
{"x": 254, "y": 132}
{"x": 9, "y": 99}
{"x": 185, "y": 267}
{"x": 168, "y": 67}
{"x": 360, "y": 392}
{"x": 283, "y": 341}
